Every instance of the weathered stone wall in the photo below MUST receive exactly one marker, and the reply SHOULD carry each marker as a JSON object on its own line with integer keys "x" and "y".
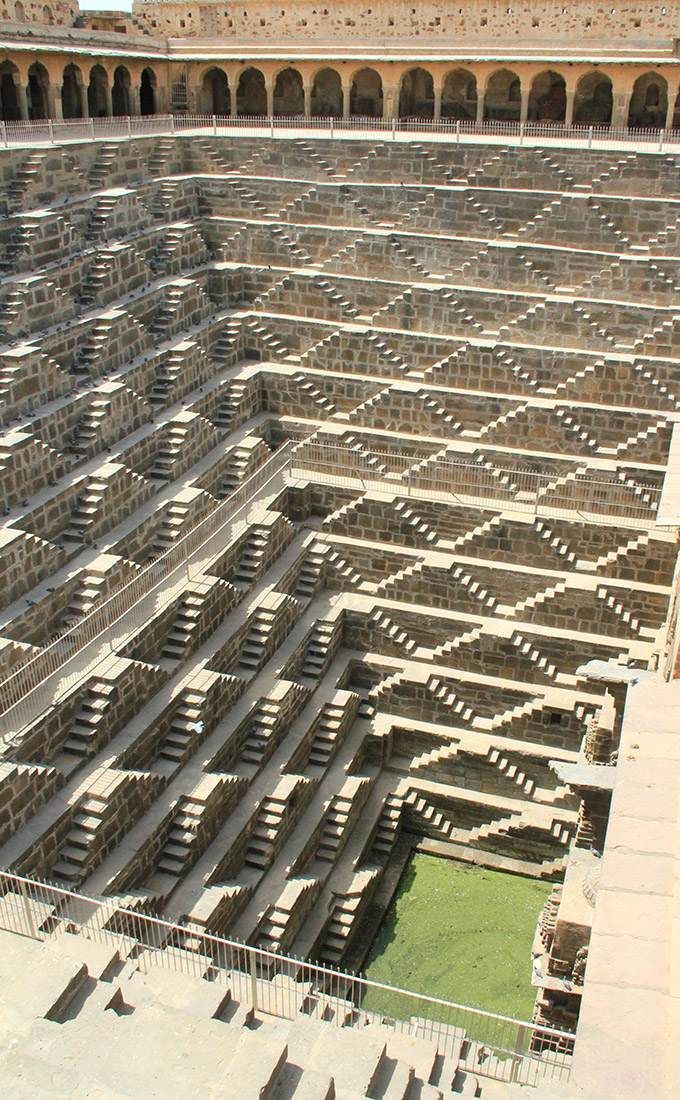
{"x": 386, "y": 20}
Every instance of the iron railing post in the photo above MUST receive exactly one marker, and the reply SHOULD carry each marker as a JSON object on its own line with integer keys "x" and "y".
{"x": 28, "y": 909}
{"x": 253, "y": 980}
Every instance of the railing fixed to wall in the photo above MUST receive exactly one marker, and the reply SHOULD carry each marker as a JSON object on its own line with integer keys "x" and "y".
{"x": 58, "y": 131}
{"x": 599, "y": 498}
{"x": 74, "y": 655}
{"x": 487, "y": 1044}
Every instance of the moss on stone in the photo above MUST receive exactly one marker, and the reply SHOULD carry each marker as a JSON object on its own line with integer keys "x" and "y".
{"x": 461, "y": 933}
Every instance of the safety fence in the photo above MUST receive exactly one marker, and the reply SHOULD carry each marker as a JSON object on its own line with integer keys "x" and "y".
{"x": 57, "y": 131}
{"x": 70, "y": 657}
{"x": 595, "y": 497}
{"x": 484, "y": 1043}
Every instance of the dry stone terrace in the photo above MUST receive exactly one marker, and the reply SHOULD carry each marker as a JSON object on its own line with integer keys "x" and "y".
{"x": 384, "y": 655}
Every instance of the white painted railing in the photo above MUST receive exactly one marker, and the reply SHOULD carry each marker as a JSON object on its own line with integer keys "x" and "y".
{"x": 58, "y": 131}
{"x": 493, "y": 1046}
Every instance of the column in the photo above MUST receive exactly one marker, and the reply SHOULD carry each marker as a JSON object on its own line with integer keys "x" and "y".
{"x": 524, "y": 104}
{"x": 480, "y": 107}
{"x": 135, "y": 103}
{"x": 569, "y": 108}
{"x": 437, "y": 102}
{"x": 670, "y": 110}
{"x": 22, "y": 101}
{"x": 84, "y": 105}
{"x": 307, "y": 89}
{"x": 390, "y": 101}
{"x": 109, "y": 101}
{"x": 620, "y": 110}
{"x": 269, "y": 84}
{"x": 346, "y": 96}
{"x": 54, "y": 104}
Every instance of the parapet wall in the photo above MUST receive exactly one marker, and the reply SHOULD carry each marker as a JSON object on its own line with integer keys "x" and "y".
{"x": 531, "y": 23}
{"x": 61, "y": 13}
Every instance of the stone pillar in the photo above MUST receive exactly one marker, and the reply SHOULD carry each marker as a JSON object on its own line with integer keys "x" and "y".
{"x": 307, "y": 89}
{"x": 437, "y": 102}
{"x": 346, "y": 94}
{"x": 269, "y": 84}
{"x": 109, "y": 101}
{"x": 84, "y": 105}
{"x": 621, "y": 102}
{"x": 569, "y": 108}
{"x": 135, "y": 103}
{"x": 670, "y": 110}
{"x": 390, "y": 101}
{"x": 22, "y": 101}
{"x": 54, "y": 104}
{"x": 524, "y": 104}
{"x": 480, "y": 107}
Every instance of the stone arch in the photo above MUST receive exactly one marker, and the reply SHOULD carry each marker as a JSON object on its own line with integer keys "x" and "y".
{"x": 548, "y": 98}
{"x": 71, "y": 98}
{"x": 37, "y": 91}
{"x": 593, "y": 101}
{"x": 416, "y": 94}
{"x": 648, "y": 102}
{"x": 366, "y": 94}
{"x": 97, "y": 92}
{"x": 19, "y": 12}
{"x": 289, "y": 94}
{"x": 251, "y": 94}
{"x": 459, "y": 95}
{"x": 216, "y": 96}
{"x": 47, "y": 16}
{"x": 327, "y": 94}
{"x": 502, "y": 98}
{"x": 120, "y": 92}
{"x": 147, "y": 92}
{"x": 9, "y": 96}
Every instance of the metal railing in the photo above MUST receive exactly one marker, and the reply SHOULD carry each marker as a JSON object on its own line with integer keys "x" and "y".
{"x": 65, "y": 662}
{"x": 493, "y": 1046}
{"x": 74, "y": 655}
{"x": 57, "y": 131}
{"x": 597, "y": 498}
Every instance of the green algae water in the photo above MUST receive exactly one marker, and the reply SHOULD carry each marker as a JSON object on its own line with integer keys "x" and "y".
{"x": 458, "y": 932}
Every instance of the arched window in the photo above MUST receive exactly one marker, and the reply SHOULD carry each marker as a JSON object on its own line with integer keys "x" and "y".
{"x": 251, "y": 94}
{"x": 548, "y": 98}
{"x": 36, "y": 92}
{"x": 19, "y": 12}
{"x": 97, "y": 99}
{"x": 503, "y": 97}
{"x": 120, "y": 92}
{"x": 9, "y": 100}
{"x": 593, "y": 100}
{"x": 289, "y": 96}
{"x": 47, "y": 15}
{"x": 648, "y": 102}
{"x": 147, "y": 92}
{"x": 216, "y": 97}
{"x": 459, "y": 95}
{"x": 416, "y": 96}
{"x": 366, "y": 94}
{"x": 327, "y": 94}
{"x": 71, "y": 96}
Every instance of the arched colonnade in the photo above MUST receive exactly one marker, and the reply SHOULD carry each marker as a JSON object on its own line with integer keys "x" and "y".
{"x": 76, "y": 91}
{"x": 476, "y": 93}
